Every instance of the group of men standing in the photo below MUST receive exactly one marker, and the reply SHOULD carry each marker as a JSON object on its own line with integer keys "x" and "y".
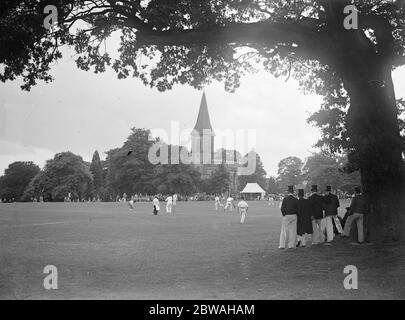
{"x": 313, "y": 216}
{"x": 171, "y": 202}
{"x": 242, "y": 206}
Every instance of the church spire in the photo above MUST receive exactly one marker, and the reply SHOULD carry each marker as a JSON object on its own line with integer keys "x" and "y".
{"x": 203, "y": 120}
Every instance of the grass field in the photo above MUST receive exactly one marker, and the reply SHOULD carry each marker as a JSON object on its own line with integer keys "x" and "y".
{"x": 107, "y": 251}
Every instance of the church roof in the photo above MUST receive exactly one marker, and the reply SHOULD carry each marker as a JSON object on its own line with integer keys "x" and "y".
{"x": 203, "y": 120}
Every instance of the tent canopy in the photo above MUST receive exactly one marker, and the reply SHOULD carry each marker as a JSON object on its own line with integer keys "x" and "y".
{"x": 253, "y": 188}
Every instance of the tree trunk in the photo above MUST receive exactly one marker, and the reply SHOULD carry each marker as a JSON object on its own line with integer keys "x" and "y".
{"x": 373, "y": 128}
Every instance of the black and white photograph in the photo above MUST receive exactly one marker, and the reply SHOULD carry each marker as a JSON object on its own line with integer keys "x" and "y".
{"x": 228, "y": 151}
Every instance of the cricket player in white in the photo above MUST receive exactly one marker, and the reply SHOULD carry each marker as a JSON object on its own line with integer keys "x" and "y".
{"x": 217, "y": 203}
{"x": 271, "y": 201}
{"x": 169, "y": 204}
{"x": 131, "y": 203}
{"x": 242, "y": 208}
{"x": 174, "y": 202}
{"x": 156, "y": 206}
{"x": 229, "y": 204}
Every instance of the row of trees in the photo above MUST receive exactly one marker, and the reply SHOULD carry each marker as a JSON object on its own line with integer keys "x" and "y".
{"x": 128, "y": 170}
{"x": 320, "y": 169}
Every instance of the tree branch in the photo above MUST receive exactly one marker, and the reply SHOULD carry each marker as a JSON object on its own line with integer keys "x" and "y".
{"x": 264, "y": 33}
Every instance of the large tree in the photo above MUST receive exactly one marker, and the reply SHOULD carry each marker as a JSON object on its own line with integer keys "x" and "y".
{"x": 176, "y": 178}
{"x": 219, "y": 181}
{"x": 164, "y": 42}
{"x": 129, "y": 169}
{"x": 65, "y": 173}
{"x": 323, "y": 169}
{"x": 289, "y": 172}
{"x": 16, "y": 178}
{"x": 272, "y": 187}
{"x": 96, "y": 170}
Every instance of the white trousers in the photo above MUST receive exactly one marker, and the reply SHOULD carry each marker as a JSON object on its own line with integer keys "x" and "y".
{"x": 228, "y": 204}
{"x": 216, "y": 205}
{"x": 327, "y": 227}
{"x": 169, "y": 207}
{"x": 242, "y": 216}
{"x": 302, "y": 239}
{"x": 358, "y": 218}
{"x": 288, "y": 231}
{"x": 317, "y": 234}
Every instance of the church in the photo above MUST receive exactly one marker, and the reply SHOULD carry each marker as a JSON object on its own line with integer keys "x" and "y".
{"x": 205, "y": 159}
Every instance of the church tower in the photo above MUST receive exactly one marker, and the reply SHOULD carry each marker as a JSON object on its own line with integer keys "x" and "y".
{"x": 202, "y": 136}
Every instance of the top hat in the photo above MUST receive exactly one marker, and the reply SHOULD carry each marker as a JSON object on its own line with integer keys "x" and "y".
{"x": 314, "y": 188}
{"x": 290, "y": 189}
{"x": 357, "y": 190}
{"x": 328, "y": 188}
{"x": 301, "y": 193}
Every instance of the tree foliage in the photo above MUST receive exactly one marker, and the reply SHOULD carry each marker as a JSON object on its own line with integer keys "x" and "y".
{"x": 195, "y": 42}
{"x": 16, "y": 178}
{"x": 272, "y": 186}
{"x": 176, "y": 178}
{"x": 129, "y": 169}
{"x": 219, "y": 181}
{"x": 259, "y": 176}
{"x": 96, "y": 170}
{"x": 323, "y": 170}
{"x": 65, "y": 173}
{"x": 289, "y": 172}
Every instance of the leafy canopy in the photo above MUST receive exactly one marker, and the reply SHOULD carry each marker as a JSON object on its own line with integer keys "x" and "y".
{"x": 168, "y": 42}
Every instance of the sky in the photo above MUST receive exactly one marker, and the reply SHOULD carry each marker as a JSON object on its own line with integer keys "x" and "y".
{"x": 82, "y": 112}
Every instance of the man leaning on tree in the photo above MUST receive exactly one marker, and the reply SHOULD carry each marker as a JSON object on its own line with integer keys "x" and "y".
{"x": 359, "y": 209}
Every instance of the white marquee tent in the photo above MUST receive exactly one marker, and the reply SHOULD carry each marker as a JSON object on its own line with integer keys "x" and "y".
{"x": 253, "y": 189}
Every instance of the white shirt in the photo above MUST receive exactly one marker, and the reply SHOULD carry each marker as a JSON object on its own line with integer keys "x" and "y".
{"x": 174, "y": 198}
{"x": 156, "y": 202}
{"x": 230, "y": 199}
{"x": 169, "y": 199}
{"x": 242, "y": 205}
{"x": 216, "y": 199}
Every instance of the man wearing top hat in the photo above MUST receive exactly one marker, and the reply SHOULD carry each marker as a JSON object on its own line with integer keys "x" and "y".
{"x": 316, "y": 207}
{"x": 330, "y": 206}
{"x": 359, "y": 209}
{"x": 289, "y": 210}
{"x": 304, "y": 224}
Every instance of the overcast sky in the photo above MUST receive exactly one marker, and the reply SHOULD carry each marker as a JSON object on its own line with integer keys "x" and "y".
{"x": 83, "y": 112}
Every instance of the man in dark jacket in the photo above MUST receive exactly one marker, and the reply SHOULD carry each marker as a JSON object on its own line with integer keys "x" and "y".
{"x": 316, "y": 212}
{"x": 330, "y": 207}
{"x": 304, "y": 224}
{"x": 359, "y": 208}
{"x": 289, "y": 210}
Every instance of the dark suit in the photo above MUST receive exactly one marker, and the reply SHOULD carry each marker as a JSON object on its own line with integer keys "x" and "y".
{"x": 304, "y": 224}
{"x": 316, "y": 206}
{"x": 316, "y": 211}
{"x": 330, "y": 205}
{"x": 289, "y": 205}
